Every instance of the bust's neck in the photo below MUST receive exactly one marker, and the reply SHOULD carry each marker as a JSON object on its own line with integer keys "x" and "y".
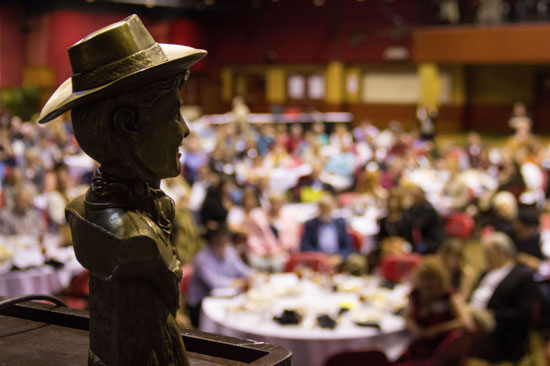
{"x": 126, "y": 173}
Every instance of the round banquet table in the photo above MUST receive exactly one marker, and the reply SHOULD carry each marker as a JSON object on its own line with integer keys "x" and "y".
{"x": 250, "y": 316}
{"x": 36, "y": 277}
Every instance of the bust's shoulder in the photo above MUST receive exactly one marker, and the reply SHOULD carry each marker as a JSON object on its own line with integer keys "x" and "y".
{"x": 113, "y": 239}
{"x": 118, "y": 222}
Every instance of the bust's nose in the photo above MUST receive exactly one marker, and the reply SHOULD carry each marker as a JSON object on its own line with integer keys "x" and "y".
{"x": 184, "y": 129}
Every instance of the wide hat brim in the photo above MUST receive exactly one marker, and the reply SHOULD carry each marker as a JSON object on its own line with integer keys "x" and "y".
{"x": 179, "y": 58}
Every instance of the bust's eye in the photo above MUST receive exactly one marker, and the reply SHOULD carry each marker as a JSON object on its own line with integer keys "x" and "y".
{"x": 177, "y": 117}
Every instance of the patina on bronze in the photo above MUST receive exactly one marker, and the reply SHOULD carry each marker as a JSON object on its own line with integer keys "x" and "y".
{"x": 124, "y": 97}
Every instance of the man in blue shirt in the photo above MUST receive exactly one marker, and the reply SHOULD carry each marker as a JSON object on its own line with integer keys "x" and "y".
{"x": 326, "y": 233}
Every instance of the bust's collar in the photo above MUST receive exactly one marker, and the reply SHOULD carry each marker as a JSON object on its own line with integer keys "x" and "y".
{"x": 110, "y": 191}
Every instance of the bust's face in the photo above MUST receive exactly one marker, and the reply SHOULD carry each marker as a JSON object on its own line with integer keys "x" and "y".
{"x": 161, "y": 136}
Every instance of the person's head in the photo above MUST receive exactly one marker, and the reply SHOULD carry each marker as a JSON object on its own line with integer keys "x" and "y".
{"x": 276, "y": 202}
{"x": 527, "y": 223}
{"x": 22, "y": 200}
{"x": 473, "y": 138}
{"x": 340, "y": 129}
{"x": 250, "y": 199}
{"x": 238, "y": 101}
{"x": 393, "y": 203}
{"x": 326, "y": 205}
{"x": 216, "y": 235}
{"x": 519, "y": 109}
{"x": 17, "y": 177}
{"x": 139, "y": 132}
{"x": 452, "y": 254}
{"x": 505, "y": 205}
{"x": 318, "y": 128}
{"x": 222, "y": 186}
{"x": 316, "y": 168}
{"x": 498, "y": 250}
{"x": 63, "y": 178}
{"x": 430, "y": 278}
{"x": 296, "y": 130}
{"x": 418, "y": 195}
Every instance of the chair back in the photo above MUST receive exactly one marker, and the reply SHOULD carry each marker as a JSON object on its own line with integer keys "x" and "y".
{"x": 358, "y": 358}
{"x": 459, "y": 224}
{"x": 187, "y": 271}
{"x": 395, "y": 267}
{"x": 452, "y": 351}
{"x": 316, "y": 261}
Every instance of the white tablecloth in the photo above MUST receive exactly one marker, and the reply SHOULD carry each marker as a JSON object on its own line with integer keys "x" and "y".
{"x": 310, "y": 344}
{"x": 36, "y": 277}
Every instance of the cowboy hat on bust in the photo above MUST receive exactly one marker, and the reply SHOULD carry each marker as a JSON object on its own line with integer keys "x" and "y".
{"x": 114, "y": 60}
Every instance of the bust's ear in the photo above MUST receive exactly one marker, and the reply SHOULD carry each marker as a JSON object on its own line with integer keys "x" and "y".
{"x": 125, "y": 121}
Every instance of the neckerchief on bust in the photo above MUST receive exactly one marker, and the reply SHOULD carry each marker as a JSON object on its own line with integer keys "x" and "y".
{"x": 109, "y": 191}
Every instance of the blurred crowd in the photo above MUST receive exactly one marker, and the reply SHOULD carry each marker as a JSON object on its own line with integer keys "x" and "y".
{"x": 492, "y": 12}
{"x": 253, "y": 197}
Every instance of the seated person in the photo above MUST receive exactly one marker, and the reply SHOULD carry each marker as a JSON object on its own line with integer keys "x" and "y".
{"x": 504, "y": 212}
{"x": 339, "y": 168}
{"x": 238, "y": 217}
{"x": 272, "y": 236}
{"x": 217, "y": 201}
{"x": 461, "y": 275}
{"x": 329, "y": 235}
{"x": 502, "y": 302}
{"x": 527, "y": 238}
{"x": 310, "y": 188}
{"x": 434, "y": 310}
{"x": 426, "y": 227}
{"x": 216, "y": 266}
{"x": 22, "y": 218}
{"x": 394, "y": 235}
{"x": 395, "y": 223}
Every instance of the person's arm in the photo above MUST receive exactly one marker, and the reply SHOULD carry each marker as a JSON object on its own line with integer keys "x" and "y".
{"x": 524, "y": 295}
{"x": 346, "y": 246}
{"x": 207, "y": 271}
{"x": 467, "y": 282}
{"x": 410, "y": 322}
{"x": 462, "y": 318}
{"x": 241, "y": 268}
{"x": 308, "y": 241}
{"x": 529, "y": 260}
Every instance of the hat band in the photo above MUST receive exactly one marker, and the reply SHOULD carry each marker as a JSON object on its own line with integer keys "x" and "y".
{"x": 105, "y": 74}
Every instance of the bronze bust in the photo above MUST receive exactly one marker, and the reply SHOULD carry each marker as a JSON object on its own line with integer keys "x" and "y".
{"x": 124, "y": 97}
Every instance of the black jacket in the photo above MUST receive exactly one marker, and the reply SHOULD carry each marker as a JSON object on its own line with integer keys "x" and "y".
{"x": 512, "y": 304}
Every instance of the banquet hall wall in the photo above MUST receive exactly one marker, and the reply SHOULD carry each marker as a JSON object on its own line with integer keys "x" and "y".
{"x": 253, "y": 52}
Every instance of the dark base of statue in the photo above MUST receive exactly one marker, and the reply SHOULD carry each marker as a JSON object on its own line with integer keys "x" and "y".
{"x": 131, "y": 326}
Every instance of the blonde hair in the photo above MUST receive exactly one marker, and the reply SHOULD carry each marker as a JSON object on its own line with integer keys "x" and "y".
{"x": 505, "y": 205}
{"x": 432, "y": 266}
{"x": 452, "y": 246}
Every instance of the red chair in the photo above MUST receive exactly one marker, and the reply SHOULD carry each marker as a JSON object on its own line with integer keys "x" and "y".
{"x": 187, "y": 271}
{"x": 459, "y": 224}
{"x": 453, "y": 350}
{"x": 356, "y": 239}
{"x": 395, "y": 267}
{"x": 317, "y": 261}
{"x": 77, "y": 293}
{"x": 358, "y": 358}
